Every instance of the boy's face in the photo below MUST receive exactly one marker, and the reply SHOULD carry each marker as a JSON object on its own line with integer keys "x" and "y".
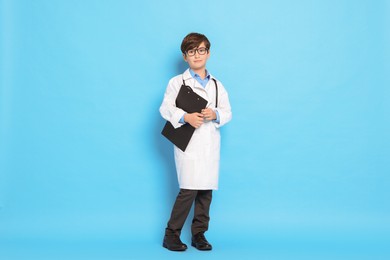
{"x": 197, "y": 61}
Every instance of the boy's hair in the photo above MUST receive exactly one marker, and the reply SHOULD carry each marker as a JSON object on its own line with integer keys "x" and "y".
{"x": 193, "y": 40}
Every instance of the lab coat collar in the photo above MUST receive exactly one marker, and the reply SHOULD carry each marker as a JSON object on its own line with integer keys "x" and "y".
{"x": 187, "y": 75}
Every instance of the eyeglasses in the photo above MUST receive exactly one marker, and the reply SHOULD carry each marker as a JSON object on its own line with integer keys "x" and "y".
{"x": 201, "y": 51}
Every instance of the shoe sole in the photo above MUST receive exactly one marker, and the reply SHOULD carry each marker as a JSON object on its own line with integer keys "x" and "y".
{"x": 176, "y": 250}
{"x": 201, "y": 249}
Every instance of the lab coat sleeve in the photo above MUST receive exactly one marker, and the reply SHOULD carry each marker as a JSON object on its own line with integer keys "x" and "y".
{"x": 168, "y": 109}
{"x": 223, "y": 108}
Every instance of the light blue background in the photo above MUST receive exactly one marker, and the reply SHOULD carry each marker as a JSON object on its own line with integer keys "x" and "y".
{"x": 305, "y": 165}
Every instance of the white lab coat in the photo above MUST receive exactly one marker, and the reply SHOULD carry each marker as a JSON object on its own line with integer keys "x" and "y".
{"x": 198, "y": 167}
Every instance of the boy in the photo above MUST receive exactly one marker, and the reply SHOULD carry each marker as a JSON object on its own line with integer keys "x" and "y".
{"x": 197, "y": 168}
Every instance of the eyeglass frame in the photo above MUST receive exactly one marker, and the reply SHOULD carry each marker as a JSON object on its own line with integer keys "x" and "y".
{"x": 197, "y": 51}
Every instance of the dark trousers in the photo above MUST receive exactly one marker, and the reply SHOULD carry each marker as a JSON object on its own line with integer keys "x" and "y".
{"x": 182, "y": 207}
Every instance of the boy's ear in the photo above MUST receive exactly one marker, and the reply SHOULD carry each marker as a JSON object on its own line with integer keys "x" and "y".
{"x": 184, "y": 57}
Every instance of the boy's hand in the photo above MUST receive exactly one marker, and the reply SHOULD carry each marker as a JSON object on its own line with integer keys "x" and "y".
{"x": 209, "y": 114}
{"x": 194, "y": 119}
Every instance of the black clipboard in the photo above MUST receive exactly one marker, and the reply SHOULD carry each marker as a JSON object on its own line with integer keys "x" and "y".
{"x": 190, "y": 102}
